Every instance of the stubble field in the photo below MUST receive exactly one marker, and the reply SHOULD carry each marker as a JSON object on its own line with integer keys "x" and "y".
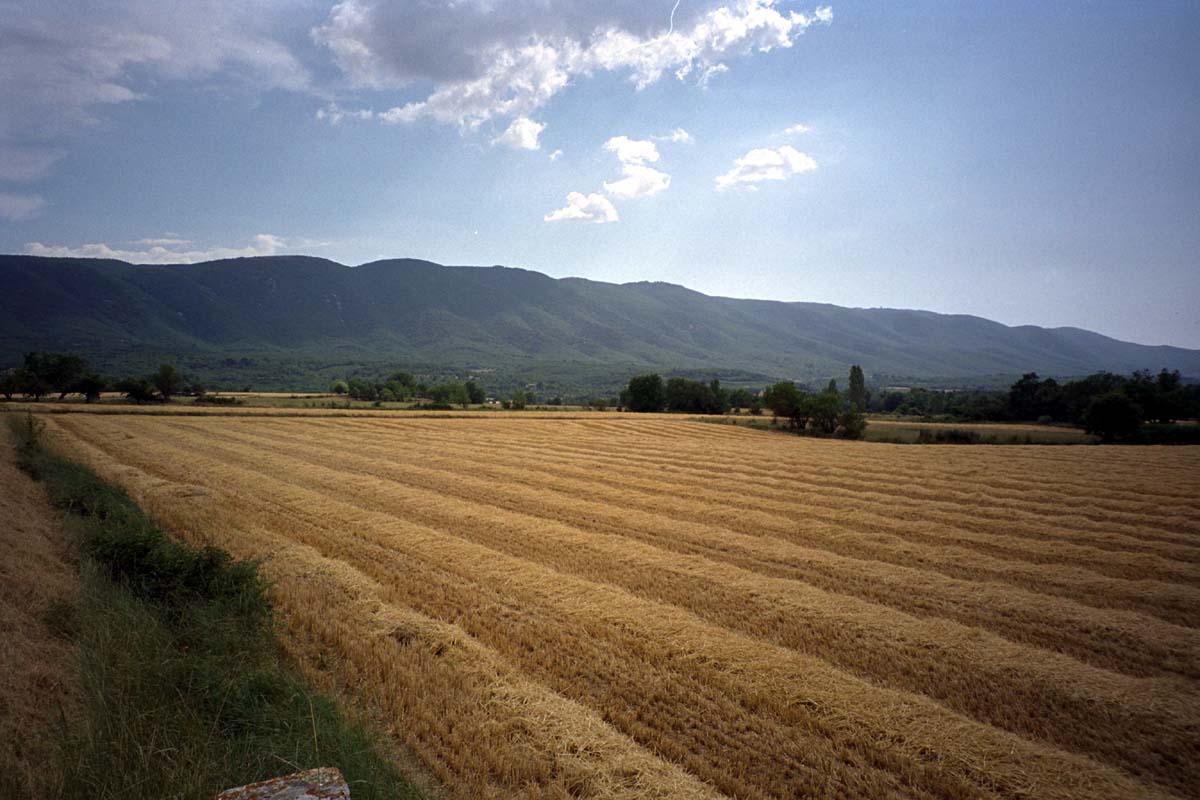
{"x": 654, "y": 607}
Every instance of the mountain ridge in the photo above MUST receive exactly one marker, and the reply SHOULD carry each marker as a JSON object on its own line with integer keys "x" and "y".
{"x": 511, "y": 319}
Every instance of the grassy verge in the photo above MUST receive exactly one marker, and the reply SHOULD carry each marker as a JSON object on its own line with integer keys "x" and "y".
{"x": 185, "y": 693}
{"x": 892, "y": 432}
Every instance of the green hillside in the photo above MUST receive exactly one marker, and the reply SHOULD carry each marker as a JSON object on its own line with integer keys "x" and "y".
{"x": 292, "y": 322}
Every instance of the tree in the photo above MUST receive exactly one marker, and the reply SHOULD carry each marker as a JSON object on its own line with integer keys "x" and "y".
{"x": 10, "y": 383}
{"x": 475, "y": 392}
{"x": 1023, "y": 397}
{"x": 62, "y": 372}
{"x": 858, "y": 389}
{"x": 787, "y": 402}
{"x": 90, "y": 385}
{"x": 851, "y": 424}
{"x": 339, "y": 387}
{"x": 1112, "y": 417}
{"x": 167, "y": 381}
{"x": 518, "y": 401}
{"x": 741, "y": 398}
{"x": 33, "y": 384}
{"x": 139, "y": 390}
{"x": 359, "y": 389}
{"x": 645, "y": 393}
{"x": 824, "y": 409}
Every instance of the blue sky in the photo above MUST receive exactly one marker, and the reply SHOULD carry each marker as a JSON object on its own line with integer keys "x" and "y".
{"x": 1027, "y": 162}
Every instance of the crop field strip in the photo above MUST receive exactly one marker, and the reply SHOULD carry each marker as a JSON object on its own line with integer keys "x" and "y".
{"x": 648, "y": 573}
{"x": 942, "y": 680}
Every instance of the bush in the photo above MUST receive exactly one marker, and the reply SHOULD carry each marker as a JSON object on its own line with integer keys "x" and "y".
{"x": 852, "y": 425}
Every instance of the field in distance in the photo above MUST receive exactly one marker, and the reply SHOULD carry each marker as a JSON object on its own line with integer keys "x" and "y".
{"x": 625, "y": 606}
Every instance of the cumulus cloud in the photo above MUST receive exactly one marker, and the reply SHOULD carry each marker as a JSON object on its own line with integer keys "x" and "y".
{"x": 487, "y": 60}
{"x": 17, "y": 207}
{"x": 796, "y": 129}
{"x": 586, "y": 208}
{"x": 632, "y": 151}
{"x": 765, "y": 164}
{"x": 160, "y": 251}
{"x": 639, "y": 181}
{"x": 522, "y": 134}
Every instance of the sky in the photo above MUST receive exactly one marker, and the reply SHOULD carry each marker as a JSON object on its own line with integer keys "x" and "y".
{"x": 1032, "y": 163}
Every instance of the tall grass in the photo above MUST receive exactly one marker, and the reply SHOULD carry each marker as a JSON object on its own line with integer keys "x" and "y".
{"x": 185, "y": 692}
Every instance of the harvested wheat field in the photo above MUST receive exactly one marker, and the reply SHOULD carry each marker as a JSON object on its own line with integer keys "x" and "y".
{"x": 631, "y": 607}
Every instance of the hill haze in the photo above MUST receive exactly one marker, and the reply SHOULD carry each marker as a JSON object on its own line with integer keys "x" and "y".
{"x": 256, "y": 316}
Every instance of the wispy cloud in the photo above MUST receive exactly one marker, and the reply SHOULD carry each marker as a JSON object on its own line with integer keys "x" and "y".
{"x": 677, "y": 136}
{"x": 161, "y": 251}
{"x": 62, "y": 63}
{"x": 17, "y": 207}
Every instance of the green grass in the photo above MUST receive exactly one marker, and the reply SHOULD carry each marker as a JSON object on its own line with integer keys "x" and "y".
{"x": 891, "y": 432}
{"x": 185, "y": 692}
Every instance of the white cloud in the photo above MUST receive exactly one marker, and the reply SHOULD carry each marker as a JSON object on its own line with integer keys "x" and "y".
{"x": 677, "y": 136}
{"x": 556, "y": 155}
{"x": 264, "y": 244}
{"x": 522, "y": 134}
{"x": 334, "y": 114}
{"x": 486, "y": 60}
{"x": 764, "y": 164}
{"x": 17, "y": 207}
{"x": 797, "y": 129}
{"x": 639, "y": 181}
{"x": 632, "y": 151}
{"x": 588, "y": 208}
{"x": 709, "y": 73}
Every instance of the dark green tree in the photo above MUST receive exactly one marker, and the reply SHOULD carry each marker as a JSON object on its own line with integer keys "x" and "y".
{"x": 824, "y": 409}
{"x": 475, "y": 392}
{"x": 788, "y": 403}
{"x": 851, "y": 424}
{"x": 1023, "y": 397}
{"x": 339, "y": 387}
{"x": 139, "y": 390}
{"x": 858, "y": 389}
{"x": 90, "y": 385}
{"x": 10, "y": 383}
{"x": 1112, "y": 417}
{"x": 645, "y": 393}
{"x": 167, "y": 381}
{"x": 62, "y": 372}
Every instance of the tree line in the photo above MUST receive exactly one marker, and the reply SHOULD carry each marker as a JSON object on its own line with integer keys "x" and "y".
{"x": 403, "y": 386}
{"x": 1114, "y": 407}
{"x": 826, "y": 413}
{"x": 42, "y": 374}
